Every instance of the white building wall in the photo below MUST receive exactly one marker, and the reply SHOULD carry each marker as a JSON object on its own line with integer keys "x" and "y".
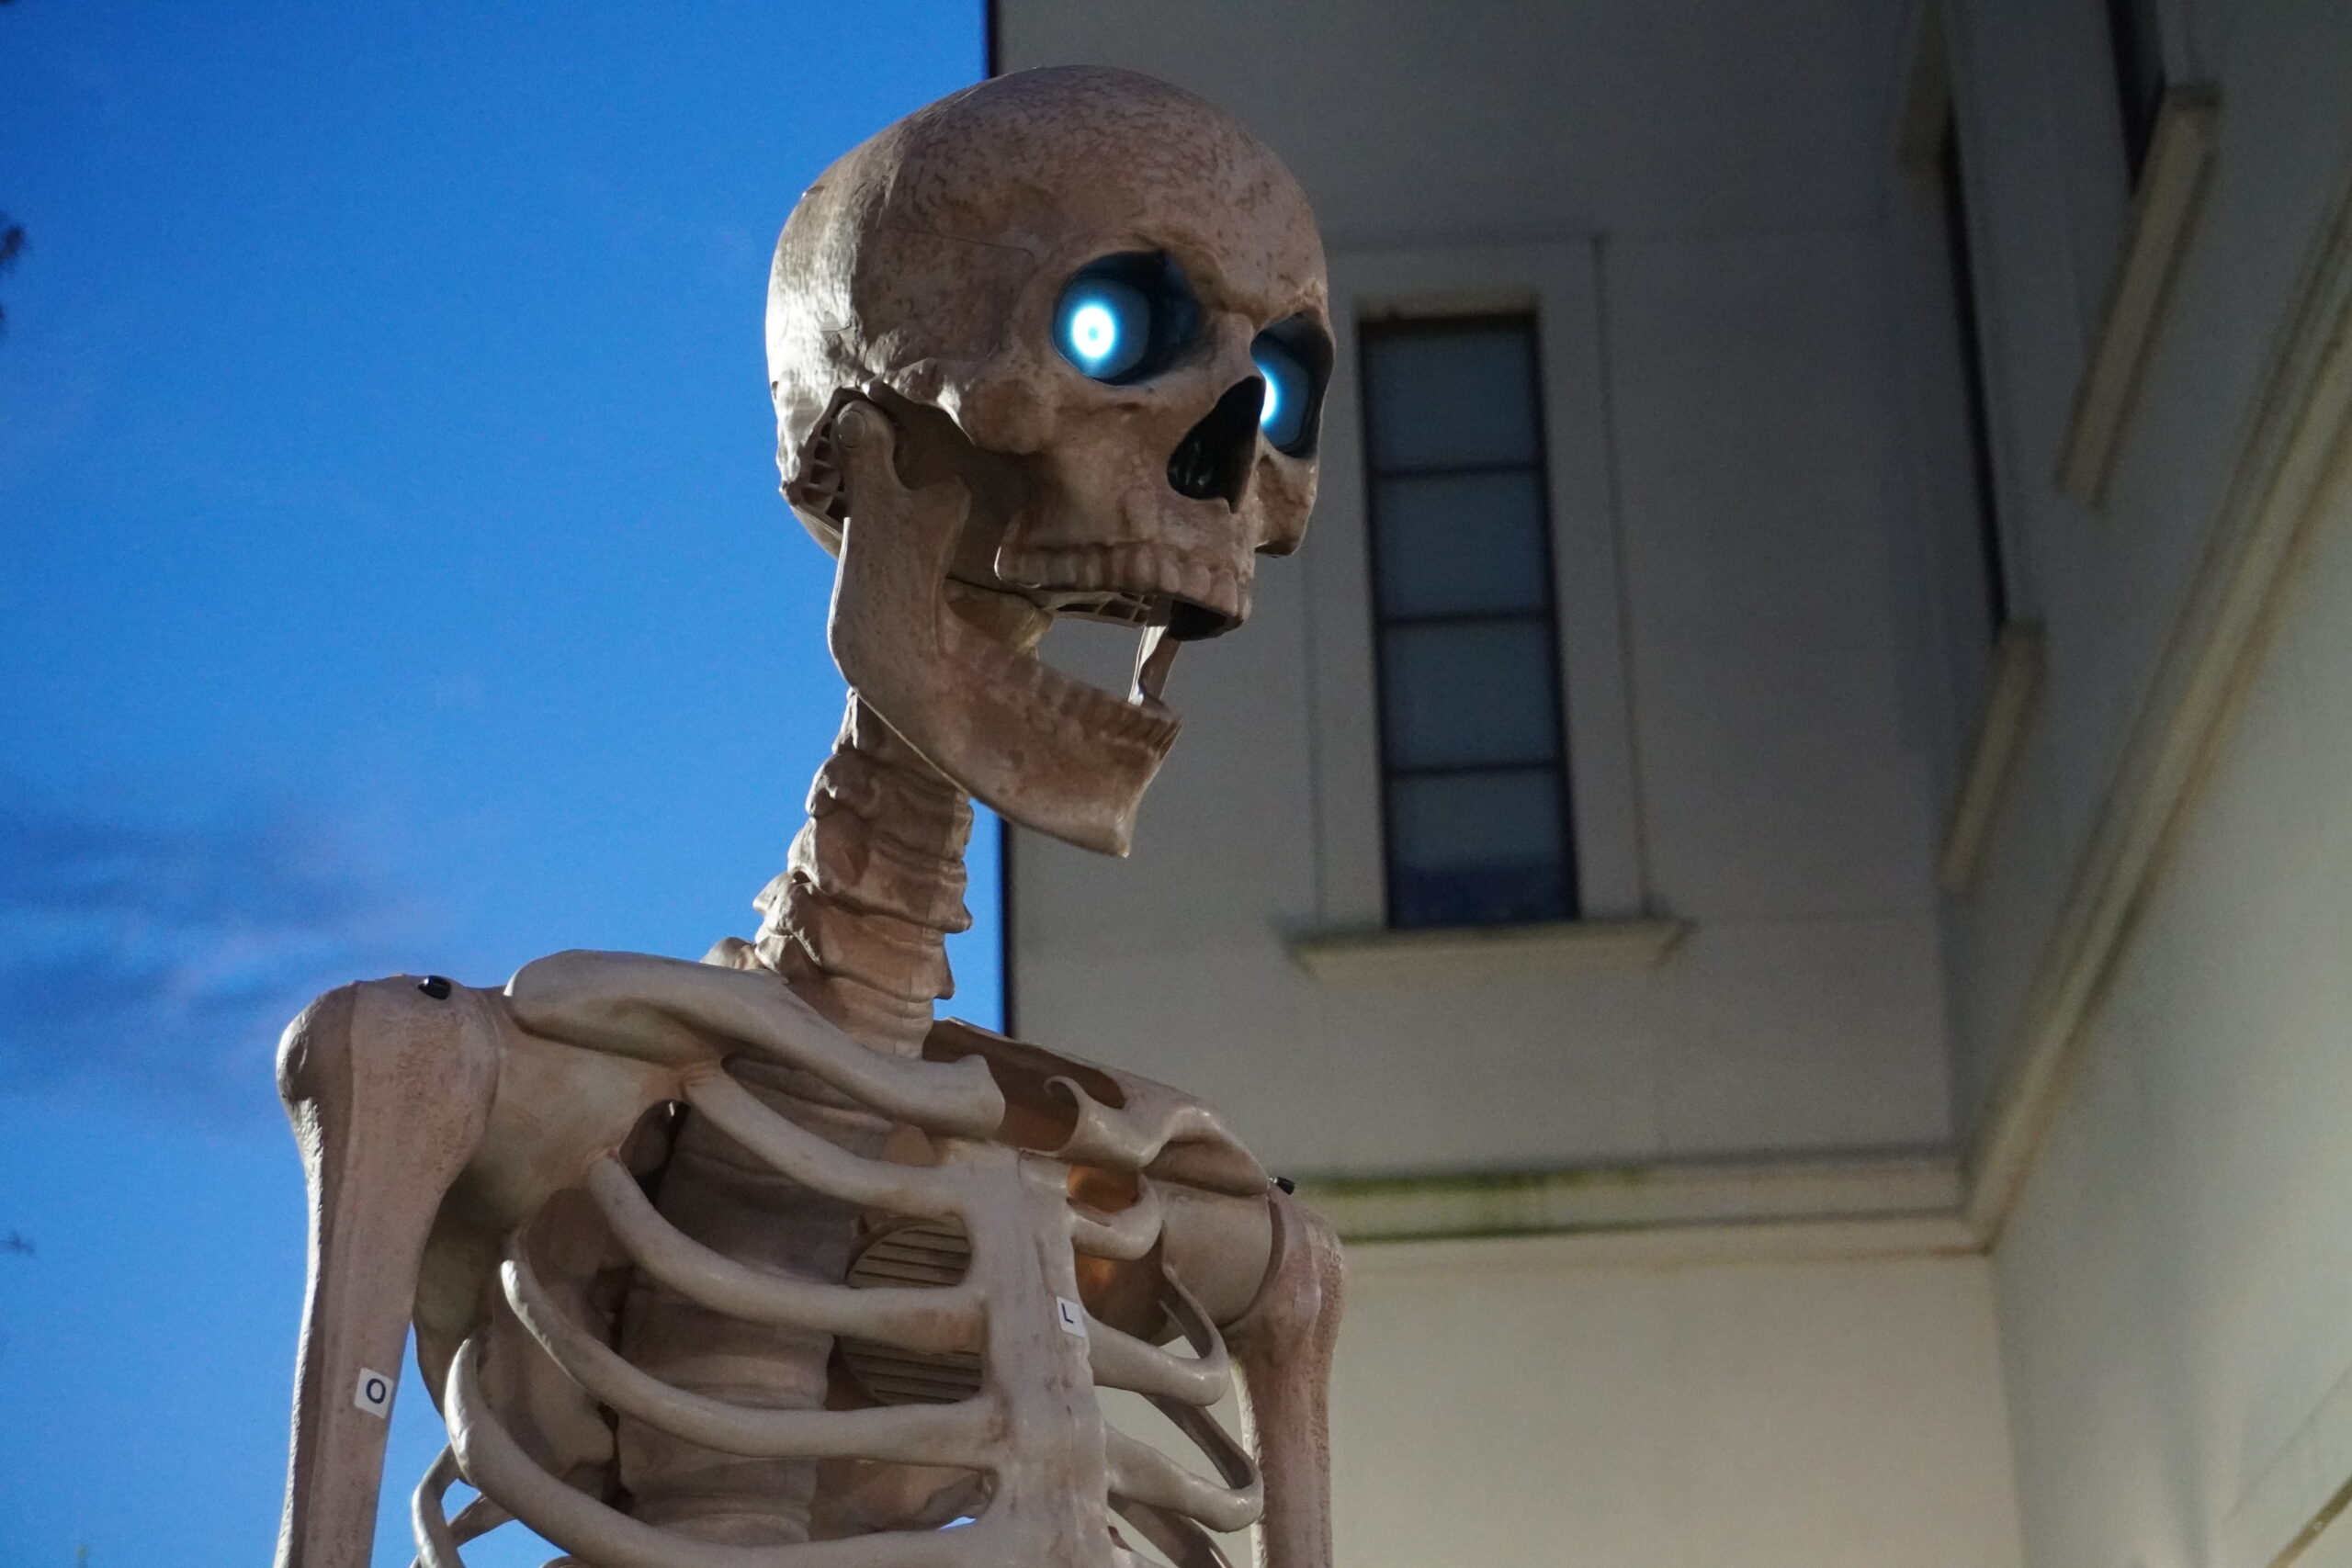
{"x": 2176, "y": 1305}
{"x": 1695, "y": 199}
{"x": 2133, "y": 1022}
{"x": 1704, "y": 237}
{"x": 2111, "y": 581}
{"x": 1528, "y": 1403}
{"x": 2177, "y": 1302}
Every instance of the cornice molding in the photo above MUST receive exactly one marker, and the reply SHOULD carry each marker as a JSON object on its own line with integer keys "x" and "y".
{"x": 1665, "y": 1198}
{"x": 1673, "y": 1246}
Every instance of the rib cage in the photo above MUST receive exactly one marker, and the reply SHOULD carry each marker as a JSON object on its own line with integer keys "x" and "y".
{"x": 854, "y": 927}
{"x": 471, "y": 1158}
{"x": 1031, "y": 1427}
{"x": 924, "y": 1254}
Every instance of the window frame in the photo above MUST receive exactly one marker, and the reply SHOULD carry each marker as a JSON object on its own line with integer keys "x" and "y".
{"x": 1560, "y": 282}
{"x": 1528, "y": 322}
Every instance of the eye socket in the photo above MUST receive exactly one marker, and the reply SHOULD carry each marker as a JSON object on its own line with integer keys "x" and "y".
{"x": 1103, "y": 326}
{"x": 1296, "y": 360}
{"x": 1124, "y": 317}
{"x": 1283, "y": 418}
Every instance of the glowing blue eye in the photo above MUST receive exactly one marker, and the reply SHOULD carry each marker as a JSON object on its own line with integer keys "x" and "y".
{"x": 1103, "y": 326}
{"x": 1289, "y": 393}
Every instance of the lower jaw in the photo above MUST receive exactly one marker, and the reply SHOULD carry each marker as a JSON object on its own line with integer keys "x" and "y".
{"x": 1043, "y": 750}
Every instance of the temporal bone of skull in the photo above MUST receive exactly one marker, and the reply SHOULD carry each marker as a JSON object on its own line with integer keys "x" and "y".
{"x": 1098, "y": 306}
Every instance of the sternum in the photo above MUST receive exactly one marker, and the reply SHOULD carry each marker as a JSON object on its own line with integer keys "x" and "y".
{"x": 857, "y": 926}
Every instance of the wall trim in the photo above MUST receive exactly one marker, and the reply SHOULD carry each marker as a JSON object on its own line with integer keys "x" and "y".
{"x": 1667, "y": 1198}
{"x": 2293, "y": 473}
{"x": 2297, "y": 1495}
{"x": 2013, "y": 683}
{"x": 2163, "y": 209}
{"x": 2299, "y": 1551}
{"x": 1678, "y": 1247}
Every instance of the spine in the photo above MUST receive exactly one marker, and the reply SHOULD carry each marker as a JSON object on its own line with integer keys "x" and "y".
{"x": 857, "y": 925}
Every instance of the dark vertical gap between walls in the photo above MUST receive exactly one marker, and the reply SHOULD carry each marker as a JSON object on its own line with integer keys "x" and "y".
{"x": 1972, "y": 354}
{"x": 2134, "y": 38}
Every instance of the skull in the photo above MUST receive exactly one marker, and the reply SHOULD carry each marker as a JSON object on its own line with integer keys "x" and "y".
{"x": 1083, "y": 313}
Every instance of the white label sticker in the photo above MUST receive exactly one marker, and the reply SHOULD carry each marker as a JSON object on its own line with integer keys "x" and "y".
{"x": 1071, "y": 1316}
{"x": 373, "y": 1394}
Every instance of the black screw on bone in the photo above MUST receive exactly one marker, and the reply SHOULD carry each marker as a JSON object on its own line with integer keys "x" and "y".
{"x": 433, "y": 985}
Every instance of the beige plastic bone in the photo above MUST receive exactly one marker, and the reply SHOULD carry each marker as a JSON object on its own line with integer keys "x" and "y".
{"x": 389, "y": 1093}
{"x": 1285, "y": 1343}
{"x": 958, "y": 696}
{"x": 921, "y": 273}
{"x": 617, "y": 1202}
{"x": 392, "y": 1083}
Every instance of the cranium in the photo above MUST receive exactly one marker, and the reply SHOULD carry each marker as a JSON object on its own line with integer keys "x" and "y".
{"x": 1090, "y": 312}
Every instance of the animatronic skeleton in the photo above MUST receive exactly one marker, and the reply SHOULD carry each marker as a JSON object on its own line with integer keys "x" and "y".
{"x": 751, "y": 1263}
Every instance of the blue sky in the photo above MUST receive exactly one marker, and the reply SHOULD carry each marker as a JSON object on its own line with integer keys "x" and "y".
{"x": 392, "y": 578}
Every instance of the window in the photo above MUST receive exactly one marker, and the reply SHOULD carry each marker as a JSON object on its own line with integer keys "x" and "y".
{"x": 2132, "y": 32}
{"x": 1473, "y": 756}
{"x": 1955, "y": 199}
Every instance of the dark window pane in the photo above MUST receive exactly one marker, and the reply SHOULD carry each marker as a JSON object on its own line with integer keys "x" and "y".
{"x": 1470, "y": 711}
{"x": 1451, "y": 543}
{"x": 1469, "y": 849}
{"x": 1465, "y": 695}
{"x": 1462, "y": 396}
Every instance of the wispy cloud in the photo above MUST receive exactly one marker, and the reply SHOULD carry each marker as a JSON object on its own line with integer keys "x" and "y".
{"x": 161, "y": 961}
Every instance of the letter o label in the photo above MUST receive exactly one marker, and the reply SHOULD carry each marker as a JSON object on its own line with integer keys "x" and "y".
{"x": 373, "y": 1394}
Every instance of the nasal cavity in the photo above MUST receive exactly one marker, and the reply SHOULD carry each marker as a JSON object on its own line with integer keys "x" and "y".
{"x": 1213, "y": 462}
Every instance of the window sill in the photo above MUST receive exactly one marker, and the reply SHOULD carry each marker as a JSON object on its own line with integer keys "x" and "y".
{"x": 2162, "y": 209}
{"x": 1549, "y": 950}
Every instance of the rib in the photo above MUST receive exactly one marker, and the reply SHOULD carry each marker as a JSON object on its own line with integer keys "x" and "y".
{"x": 436, "y": 1543}
{"x": 494, "y": 1465}
{"x": 810, "y": 1160}
{"x": 934, "y": 1320}
{"x": 1186, "y": 1544}
{"x": 477, "y": 1518}
{"x": 955, "y": 1435}
{"x": 1141, "y": 1474}
{"x": 1119, "y": 1359}
{"x": 1231, "y": 1460}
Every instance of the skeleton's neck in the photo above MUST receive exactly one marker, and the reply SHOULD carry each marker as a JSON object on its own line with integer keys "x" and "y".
{"x": 858, "y": 923}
